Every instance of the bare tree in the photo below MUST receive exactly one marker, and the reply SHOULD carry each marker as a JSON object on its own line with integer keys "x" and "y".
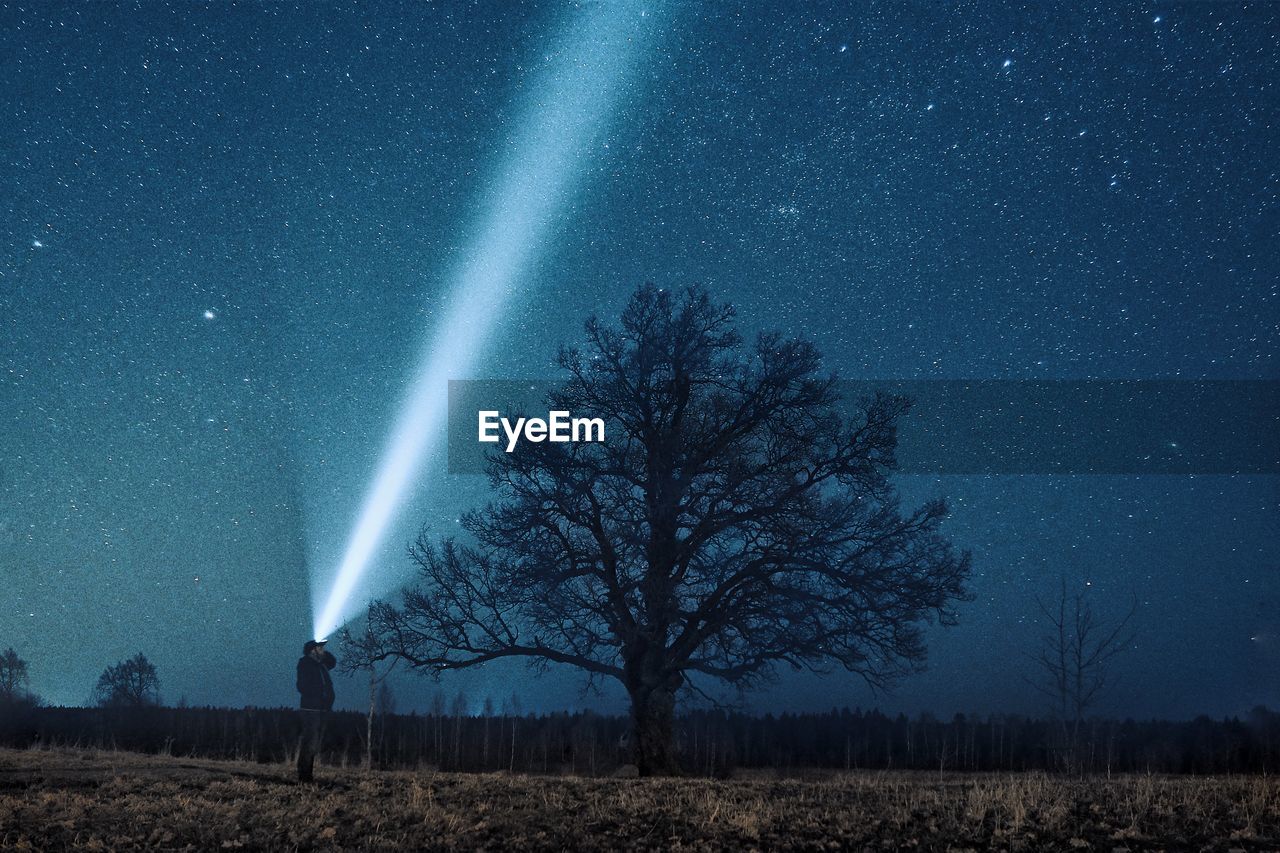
{"x": 487, "y": 714}
{"x": 1074, "y": 660}
{"x": 386, "y": 699}
{"x": 130, "y": 683}
{"x": 458, "y": 710}
{"x": 513, "y": 708}
{"x": 13, "y": 677}
{"x": 354, "y": 659}
{"x": 735, "y": 519}
{"x": 437, "y": 714}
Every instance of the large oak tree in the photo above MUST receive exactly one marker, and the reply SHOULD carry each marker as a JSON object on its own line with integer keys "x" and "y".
{"x": 738, "y": 517}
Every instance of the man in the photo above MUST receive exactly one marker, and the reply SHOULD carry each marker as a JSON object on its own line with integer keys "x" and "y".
{"x": 316, "y": 702}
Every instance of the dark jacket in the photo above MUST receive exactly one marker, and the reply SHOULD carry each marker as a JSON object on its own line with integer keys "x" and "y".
{"x": 314, "y": 682}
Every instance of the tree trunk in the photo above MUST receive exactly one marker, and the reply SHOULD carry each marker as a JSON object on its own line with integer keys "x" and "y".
{"x": 653, "y": 713}
{"x": 368, "y": 735}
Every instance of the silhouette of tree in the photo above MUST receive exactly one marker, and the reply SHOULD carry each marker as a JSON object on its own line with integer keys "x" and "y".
{"x": 486, "y": 714}
{"x": 13, "y": 677}
{"x": 386, "y": 698}
{"x": 1074, "y": 659}
{"x": 458, "y": 710}
{"x": 129, "y": 683}
{"x": 355, "y": 658}
{"x": 733, "y": 521}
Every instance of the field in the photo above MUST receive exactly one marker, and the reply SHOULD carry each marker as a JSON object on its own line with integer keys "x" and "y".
{"x": 103, "y": 800}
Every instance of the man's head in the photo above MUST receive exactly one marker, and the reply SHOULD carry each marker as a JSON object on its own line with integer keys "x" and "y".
{"x": 313, "y": 647}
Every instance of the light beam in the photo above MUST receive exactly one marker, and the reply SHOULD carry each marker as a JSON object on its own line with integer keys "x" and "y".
{"x": 567, "y": 105}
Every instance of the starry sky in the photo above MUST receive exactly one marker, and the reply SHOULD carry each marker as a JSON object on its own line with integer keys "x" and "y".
{"x": 228, "y": 228}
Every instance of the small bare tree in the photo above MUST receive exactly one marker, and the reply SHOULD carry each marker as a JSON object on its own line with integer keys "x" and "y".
{"x": 131, "y": 683}
{"x": 1074, "y": 660}
{"x": 458, "y": 710}
{"x": 13, "y": 677}
{"x": 355, "y": 658}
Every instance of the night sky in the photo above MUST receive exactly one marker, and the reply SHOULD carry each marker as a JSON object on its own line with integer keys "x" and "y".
{"x": 228, "y": 231}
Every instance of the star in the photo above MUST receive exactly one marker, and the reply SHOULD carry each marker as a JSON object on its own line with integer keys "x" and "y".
{"x": 36, "y": 244}
{"x": 209, "y": 315}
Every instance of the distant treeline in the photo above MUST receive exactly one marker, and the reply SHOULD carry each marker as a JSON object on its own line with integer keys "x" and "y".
{"x": 710, "y": 742}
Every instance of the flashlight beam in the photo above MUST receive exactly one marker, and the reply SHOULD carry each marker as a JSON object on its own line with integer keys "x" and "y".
{"x": 569, "y": 104}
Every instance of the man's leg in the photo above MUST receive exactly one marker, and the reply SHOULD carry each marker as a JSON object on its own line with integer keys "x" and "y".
{"x": 309, "y": 744}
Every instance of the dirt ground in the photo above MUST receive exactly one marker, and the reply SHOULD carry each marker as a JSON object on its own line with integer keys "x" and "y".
{"x": 97, "y": 800}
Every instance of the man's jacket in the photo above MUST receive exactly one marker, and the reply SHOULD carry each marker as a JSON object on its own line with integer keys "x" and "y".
{"x": 314, "y": 682}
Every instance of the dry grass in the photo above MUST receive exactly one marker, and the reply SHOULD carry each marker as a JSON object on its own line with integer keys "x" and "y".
{"x": 109, "y": 801}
